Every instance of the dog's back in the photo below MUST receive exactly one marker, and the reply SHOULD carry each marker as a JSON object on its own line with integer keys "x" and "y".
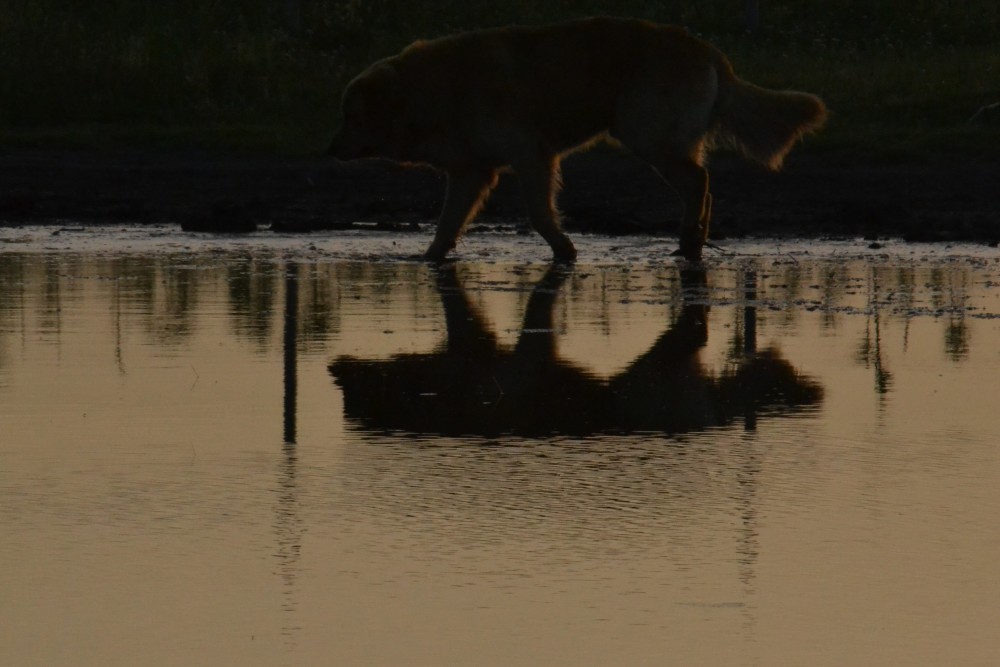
{"x": 567, "y": 81}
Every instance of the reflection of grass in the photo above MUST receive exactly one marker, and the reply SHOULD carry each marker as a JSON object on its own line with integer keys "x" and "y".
{"x": 902, "y": 76}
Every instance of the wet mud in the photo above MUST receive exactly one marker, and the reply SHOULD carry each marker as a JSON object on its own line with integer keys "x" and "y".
{"x": 816, "y": 196}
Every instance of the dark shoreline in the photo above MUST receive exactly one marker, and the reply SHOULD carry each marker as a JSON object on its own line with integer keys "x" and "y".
{"x": 816, "y": 196}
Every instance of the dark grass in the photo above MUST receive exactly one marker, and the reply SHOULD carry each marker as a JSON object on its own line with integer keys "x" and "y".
{"x": 265, "y": 76}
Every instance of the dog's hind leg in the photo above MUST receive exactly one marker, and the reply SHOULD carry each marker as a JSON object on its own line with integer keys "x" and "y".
{"x": 539, "y": 186}
{"x": 466, "y": 193}
{"x": 690, "y": 180}
{"x": 666, "y": 127}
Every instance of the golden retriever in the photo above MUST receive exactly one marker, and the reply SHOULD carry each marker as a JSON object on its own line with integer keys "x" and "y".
{"x": 520, "y": 98}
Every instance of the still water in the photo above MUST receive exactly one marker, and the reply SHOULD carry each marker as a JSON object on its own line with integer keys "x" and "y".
{"x": 234, "y": 455}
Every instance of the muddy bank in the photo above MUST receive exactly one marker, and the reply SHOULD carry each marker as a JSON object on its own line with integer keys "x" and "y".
{"x": 816, "y": 196}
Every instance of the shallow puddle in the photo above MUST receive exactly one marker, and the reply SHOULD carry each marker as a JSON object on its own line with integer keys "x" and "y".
{"x": 289, "y": 451}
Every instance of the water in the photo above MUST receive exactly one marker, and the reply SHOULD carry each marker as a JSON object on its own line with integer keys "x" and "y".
{"x": 289, "y": 452}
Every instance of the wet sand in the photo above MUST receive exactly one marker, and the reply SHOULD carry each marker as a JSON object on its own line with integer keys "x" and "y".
{"x": 816, "y": 196}
{"x": 487, "y": 247}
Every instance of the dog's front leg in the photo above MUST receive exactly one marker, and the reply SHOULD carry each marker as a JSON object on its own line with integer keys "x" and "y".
{"x": 466, "y": 193}
{"x": 540, "y": 184}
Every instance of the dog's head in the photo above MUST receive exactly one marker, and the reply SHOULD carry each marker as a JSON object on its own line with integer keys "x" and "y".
{"x": 371, "y": 109}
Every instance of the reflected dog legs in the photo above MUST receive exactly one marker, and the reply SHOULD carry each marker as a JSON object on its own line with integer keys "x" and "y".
{"x": 537, "y": 342}
{"x": 468, "y": 332}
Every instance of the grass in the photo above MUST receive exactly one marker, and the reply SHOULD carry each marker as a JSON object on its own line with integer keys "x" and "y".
{"x": 898, "y": 76}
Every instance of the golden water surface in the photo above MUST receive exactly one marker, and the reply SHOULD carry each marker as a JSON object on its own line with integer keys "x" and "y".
{"x": 212, "y": 458}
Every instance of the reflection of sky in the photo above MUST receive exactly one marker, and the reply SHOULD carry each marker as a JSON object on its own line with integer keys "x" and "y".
{"x": 149, "y": 505}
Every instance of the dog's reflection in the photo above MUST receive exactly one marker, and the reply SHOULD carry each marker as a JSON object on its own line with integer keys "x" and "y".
{"x": 471, "y": 386}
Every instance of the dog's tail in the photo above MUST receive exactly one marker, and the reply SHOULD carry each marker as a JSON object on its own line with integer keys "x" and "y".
{"x": 764, "y": 124}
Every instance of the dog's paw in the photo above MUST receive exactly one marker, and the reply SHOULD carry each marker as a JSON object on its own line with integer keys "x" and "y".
{"x": 563, "y": 251}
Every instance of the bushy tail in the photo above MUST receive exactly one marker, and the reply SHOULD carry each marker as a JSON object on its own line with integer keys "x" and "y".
{"x": 765, "y": 124}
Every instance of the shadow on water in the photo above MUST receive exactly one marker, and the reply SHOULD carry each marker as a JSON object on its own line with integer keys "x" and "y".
{"x": 471, "y": 386}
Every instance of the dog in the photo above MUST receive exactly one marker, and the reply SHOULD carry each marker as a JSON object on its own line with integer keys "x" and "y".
{"x": 521, "y": 98}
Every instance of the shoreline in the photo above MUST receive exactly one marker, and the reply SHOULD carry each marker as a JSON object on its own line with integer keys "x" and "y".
{"x": 815, "y": 196}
